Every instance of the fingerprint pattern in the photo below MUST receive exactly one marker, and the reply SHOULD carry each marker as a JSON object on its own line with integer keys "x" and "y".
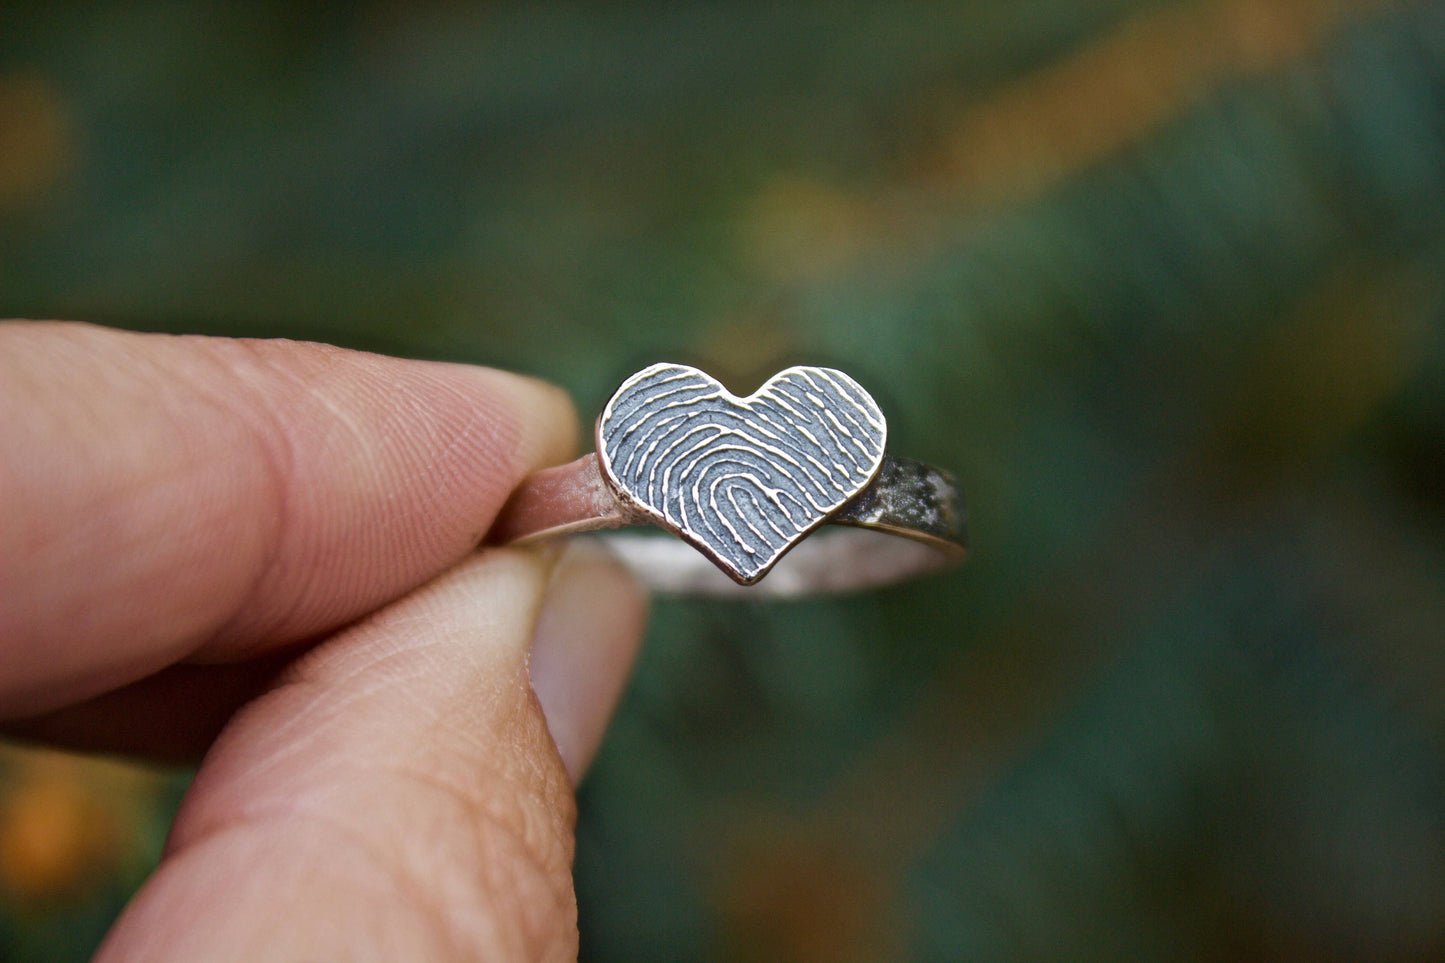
{"x": 741, "y": 478}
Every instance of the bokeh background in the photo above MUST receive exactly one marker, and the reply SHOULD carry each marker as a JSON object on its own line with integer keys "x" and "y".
{"x": 1160, "y": 280}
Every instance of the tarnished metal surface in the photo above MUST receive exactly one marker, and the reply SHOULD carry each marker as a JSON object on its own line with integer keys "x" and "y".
{"x": 910, "y": 498}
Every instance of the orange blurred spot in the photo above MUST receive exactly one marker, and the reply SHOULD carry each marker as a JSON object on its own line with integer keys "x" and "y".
{"x": 798, "y": 895}
{"x": 68, "y": 822}
{"x": 53, "y": 838}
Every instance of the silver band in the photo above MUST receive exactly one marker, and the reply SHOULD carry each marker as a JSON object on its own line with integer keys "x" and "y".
{"x": 743, "y": 484}
{"x": 860, "y": 548}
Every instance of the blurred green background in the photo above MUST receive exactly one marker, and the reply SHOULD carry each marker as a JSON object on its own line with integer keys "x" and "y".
{"x": 1160, "y": 281}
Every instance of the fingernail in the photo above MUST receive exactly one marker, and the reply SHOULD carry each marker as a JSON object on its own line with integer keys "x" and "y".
{"x": 588, "y": 631}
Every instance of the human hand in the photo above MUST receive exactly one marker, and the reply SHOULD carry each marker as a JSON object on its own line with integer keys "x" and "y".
{"x": 273, "y": 542}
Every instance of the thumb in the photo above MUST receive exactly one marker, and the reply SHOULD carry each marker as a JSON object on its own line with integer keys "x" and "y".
{"x": 398, "y": 796}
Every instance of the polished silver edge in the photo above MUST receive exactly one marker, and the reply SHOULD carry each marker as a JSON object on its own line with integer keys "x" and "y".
{"x": 834, "y": 560}
{"x": 908, "y": 521}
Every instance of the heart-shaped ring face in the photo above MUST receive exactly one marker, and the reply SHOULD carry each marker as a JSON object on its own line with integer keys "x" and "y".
{"x": 743, "y": 479}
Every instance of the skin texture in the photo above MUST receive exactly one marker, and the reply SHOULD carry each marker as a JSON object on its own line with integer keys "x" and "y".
{"x": 265, "y": 551}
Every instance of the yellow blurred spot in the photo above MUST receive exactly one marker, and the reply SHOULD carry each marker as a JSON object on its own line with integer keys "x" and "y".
{"x": 36, "y": 139}
{"x": 798, "y": 228}
{"x": 744, "y": 351}
{"x": 1036, "y": 132}
{"x": 1328, "y": 368}
{"x": 1109, "y": 92}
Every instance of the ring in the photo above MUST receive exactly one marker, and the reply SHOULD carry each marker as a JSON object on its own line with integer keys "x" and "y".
{"x": 746, "y": 482}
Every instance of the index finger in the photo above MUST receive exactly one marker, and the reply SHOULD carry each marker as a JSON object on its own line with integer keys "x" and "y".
{"x": 167, "y": 498}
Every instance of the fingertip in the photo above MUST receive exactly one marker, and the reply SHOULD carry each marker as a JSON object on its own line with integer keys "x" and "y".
{"x": 404, "y": 791}
{"x": 245, "y": 495}
{"x": 544, "y": 412}
{"x": 556, "y": 433}
{"x": 432, "y": 451}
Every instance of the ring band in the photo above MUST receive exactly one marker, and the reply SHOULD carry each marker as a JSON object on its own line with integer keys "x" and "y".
{"x": 743, "y": 483}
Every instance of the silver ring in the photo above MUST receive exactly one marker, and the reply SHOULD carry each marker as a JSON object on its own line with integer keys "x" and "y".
{"x": 746, "y": 482}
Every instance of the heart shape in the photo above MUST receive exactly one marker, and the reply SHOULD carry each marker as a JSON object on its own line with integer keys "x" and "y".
{"x": 742, "y": 479}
